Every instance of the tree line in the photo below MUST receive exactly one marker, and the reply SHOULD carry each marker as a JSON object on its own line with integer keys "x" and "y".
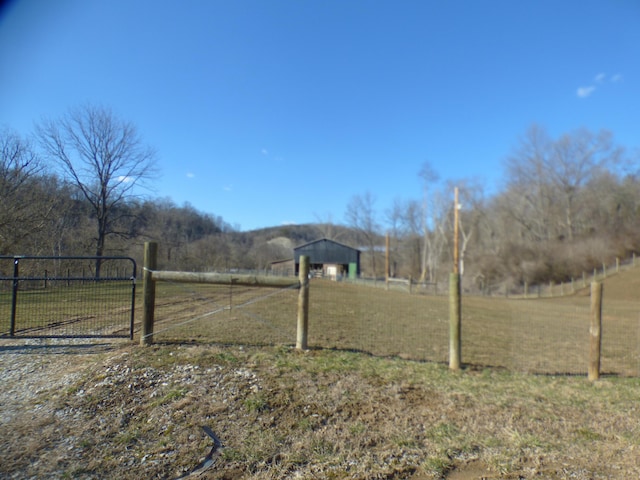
{"x": 568, "y": 204}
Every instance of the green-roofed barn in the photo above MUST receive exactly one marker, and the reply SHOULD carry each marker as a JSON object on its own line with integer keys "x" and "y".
{"x": 329, "y": 258}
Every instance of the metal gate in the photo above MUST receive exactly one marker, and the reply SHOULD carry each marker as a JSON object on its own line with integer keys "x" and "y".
{"x": 66, "y": 297}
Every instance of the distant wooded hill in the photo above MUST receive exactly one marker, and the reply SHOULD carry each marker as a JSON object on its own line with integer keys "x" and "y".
{"x": 568, "y": 205}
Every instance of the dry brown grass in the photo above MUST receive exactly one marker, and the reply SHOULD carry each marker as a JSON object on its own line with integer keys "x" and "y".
{"x": 136, "y": 413}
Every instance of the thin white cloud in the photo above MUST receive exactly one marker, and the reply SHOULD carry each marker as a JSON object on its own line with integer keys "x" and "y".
{"x": 273, "y": 157}
{"x": 191, "y": 175}
{"x": 227, "y": 188}
{"x": 125, "y": 179}
{"x": 584, "y": 92}
{"x": 600, "y": 80}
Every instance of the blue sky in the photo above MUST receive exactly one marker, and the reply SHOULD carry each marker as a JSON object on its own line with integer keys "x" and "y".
{"x": 280, "y": 111}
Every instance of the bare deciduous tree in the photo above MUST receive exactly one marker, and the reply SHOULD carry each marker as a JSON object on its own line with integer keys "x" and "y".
{"x": 326, "y": 227}
{"x": 471, "y": 214}
{"x": 431, "y": 228}
{"x": 577, "y": 158}
{"x": 103, "y": 156}
{"x": 394, "y": 218}
{"x": 546, "y": 178}
{"x": 23, "y": 206}
{"x": 361, "y": 216}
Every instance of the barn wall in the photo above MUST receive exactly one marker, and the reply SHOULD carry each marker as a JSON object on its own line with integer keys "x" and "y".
{"x": 326, "y": 252}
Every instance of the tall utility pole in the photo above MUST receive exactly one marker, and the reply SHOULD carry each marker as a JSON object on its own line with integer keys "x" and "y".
{"x": 455, "y": 304}
{"x": 456, "y": 233}
{"x": 387, "y": 260}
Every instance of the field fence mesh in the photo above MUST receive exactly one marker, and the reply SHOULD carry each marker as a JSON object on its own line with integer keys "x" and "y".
{"x": 621, "y": 338}
{"x": 63, "y": 298}
{"x": 226, "y": 314}
{"x": 377, "y": 321}
{"x": 542, "y": 336}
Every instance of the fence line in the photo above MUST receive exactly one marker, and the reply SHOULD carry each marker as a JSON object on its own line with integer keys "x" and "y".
{"x": 501, "y": 289}
{"x": 151, "y": 276}
{"x": 565, "y": 288}
{"x": 524, "y": 335}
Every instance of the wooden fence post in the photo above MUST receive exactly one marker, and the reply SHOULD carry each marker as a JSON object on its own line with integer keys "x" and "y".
{"x": 455, "y": 303}
{"x": 595, "y": 331}
{"x": 303, "y": 304}
{"x": 149, "y": 292}
{"x": 455, "y": 322}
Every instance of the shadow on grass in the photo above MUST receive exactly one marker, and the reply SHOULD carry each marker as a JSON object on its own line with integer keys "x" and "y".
{"x": 60, "y": 348}
{"x": 466, "y": 367}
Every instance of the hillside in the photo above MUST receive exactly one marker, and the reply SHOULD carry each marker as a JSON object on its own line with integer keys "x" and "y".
{"x": 301, "y": 234}
{"x": 623, "y": 286}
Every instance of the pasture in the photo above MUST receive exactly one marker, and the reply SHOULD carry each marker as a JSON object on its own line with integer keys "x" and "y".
{"x": 371, "y": 399}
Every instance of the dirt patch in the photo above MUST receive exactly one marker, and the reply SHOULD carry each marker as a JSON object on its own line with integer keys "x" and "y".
{"x": 120, "y": 411}
{"x": 30, "y": 369}
{"x": 471, "y": 471}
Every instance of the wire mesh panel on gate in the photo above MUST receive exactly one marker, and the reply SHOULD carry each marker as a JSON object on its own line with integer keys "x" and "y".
{"x": 62, "y": 297}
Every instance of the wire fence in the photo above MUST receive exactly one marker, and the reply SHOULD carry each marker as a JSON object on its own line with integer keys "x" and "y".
{"x": 546, "y": 335}
{"x": 225, "y": 314}
{"x": 541, "y": 336}
{"x": 475, "y": 286}
{"x": 559, "y": 289}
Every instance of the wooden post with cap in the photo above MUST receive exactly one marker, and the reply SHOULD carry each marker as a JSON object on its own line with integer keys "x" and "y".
{"x": 595, "y": 331}
{"x": 455, "y": 317}
{"x": 149, "y": 292}
{"x": 303, "y": 304}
